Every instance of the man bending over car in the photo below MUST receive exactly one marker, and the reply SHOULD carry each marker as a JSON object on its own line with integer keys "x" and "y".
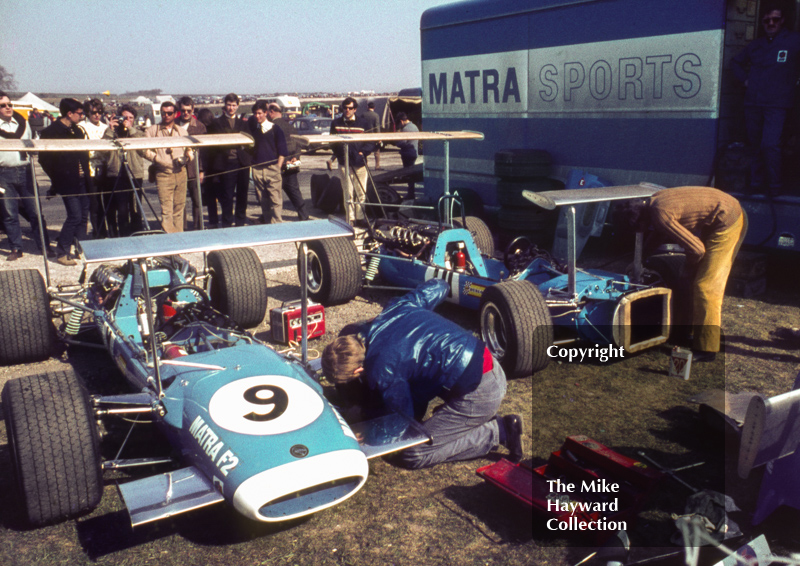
{"x": 407, "y": 356}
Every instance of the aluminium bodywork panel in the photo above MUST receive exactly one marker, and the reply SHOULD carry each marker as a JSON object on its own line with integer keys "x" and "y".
{"x": 95, "y": 251}
{"x": 130, "y": 144}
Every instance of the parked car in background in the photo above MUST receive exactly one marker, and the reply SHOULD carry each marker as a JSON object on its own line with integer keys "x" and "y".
{"x": 313, "y": 126}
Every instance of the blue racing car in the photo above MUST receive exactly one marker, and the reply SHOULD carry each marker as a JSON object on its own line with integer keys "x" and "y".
{"x": 520, "y": 298}
{"x": 247, "y": 425}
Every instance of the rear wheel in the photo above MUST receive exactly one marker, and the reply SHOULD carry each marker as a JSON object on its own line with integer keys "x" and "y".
{"x": 26, "y": 330}
{"x": 238, "y": 285}
{"x": 333, "y": 270}
{"x": 516, "y": 326}
{"x": 54, "y": 446}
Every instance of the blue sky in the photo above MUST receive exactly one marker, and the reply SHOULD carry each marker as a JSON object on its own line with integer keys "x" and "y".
{"x": 87, "y": 46}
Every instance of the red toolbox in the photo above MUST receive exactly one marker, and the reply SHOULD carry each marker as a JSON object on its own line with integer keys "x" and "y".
{"x": 285, "y": 321}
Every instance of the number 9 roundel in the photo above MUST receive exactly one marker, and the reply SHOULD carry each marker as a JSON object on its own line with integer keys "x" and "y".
{"x": 265, "y": 404}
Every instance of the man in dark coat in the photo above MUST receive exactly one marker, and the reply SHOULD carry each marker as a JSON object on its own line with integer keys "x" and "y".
{"x": 232, "y": 164}
{"x": 769, "y": 68}
{"x": 69, "y": 175}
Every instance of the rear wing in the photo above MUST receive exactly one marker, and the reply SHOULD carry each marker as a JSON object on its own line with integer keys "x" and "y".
{"x": 130, "y": 144}
{"x": 388, "y": 137}
{"x": 551, "y": 199}
{"x": 154, "y": 245}
{"x": 119, "y": 144}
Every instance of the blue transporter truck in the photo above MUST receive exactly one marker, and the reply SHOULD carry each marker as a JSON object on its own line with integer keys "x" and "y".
{"x": 627, "y": 90}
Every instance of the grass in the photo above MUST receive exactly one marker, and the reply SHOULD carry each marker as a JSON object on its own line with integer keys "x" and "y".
{"x": 447, "y": 515}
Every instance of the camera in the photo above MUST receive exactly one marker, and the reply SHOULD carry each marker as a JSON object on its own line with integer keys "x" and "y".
{"x": 121, "y": 129}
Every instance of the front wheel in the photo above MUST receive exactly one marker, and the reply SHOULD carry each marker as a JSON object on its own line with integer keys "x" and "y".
{"x": 54, "y": 446}
{"x": 333, "y": 270}
{"x": 516, "y": 326}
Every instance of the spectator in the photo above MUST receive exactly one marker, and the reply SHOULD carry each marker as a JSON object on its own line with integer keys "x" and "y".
{"x": 16, "y": 182}
{"x": 408, "y": 148}
{"x": 269, "y": 153}
{"x": 170, "y": 167}
{"x": 354, "y": 188}
{"x": 373, "y": 125}
{"x": 94, "y": 128}
{"x": 36, "y": 122}
{"x": 409, "y": 355}
{"x": 210, "y": 183}
{"x": 69, "y": 175}
{"x": 769, "y": 68}
{"x": 122, "y": 209}
{"x": 291, "y": 165}
{"x": 194, "y": 128}
{"x": 232, "y": 164}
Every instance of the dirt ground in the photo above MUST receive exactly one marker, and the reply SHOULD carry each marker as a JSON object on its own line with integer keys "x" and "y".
{"x": 447, "y": 514}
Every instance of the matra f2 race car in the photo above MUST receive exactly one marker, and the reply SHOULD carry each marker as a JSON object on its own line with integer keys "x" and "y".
{"x": 246, "y": 425}
{"x": 521, "y": 298}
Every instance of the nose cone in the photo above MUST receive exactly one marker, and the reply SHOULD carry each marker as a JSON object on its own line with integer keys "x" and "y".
{"x": 302, "y": 487}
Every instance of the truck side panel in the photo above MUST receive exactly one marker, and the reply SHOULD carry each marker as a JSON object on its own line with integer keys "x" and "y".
{"x": 628, "y": 89}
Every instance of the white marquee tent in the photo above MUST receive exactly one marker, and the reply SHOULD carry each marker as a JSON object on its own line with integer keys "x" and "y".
{"x": 34, "y": 101}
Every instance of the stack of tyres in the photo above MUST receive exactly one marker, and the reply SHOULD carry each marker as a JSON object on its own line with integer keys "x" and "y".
{"x": 519, "y": 170}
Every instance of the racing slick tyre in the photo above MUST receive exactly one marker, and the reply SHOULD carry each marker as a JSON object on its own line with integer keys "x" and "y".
{"x": 381, "y": 194}
{"x": 238, "y": 285}
{"x": 516, "y": 326}
{"x": 521, "y": 163}
{"x": 54, "y": 446}
{"x": 26, "y": 330}
{"x": 334, "y": 270}
{"x": 480, "y": 233}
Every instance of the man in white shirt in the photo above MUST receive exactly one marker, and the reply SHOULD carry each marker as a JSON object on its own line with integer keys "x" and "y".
{"x": 15, "y": 181}
{"x": 95, "y": 127}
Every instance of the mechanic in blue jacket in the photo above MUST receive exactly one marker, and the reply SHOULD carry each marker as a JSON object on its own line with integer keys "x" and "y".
{"x": 769, "y": 68}
{"x": 409, "y": 355}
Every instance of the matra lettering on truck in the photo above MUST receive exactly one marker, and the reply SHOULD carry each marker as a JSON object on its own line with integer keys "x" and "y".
{"x": 211, "y": 444}
{"x": 636, "y": 74}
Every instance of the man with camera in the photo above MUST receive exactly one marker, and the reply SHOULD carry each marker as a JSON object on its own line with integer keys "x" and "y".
{"x": 170, "y": 169}
{"x": 291, "y": 165}
{"x": 123, "y": 215}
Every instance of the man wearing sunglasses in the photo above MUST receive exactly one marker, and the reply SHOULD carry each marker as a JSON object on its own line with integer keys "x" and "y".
{"x": 349, "y": 123}
{"x": 170, "y": 169}
{"x": 95, "y": 127}
{"x": 15, "y": 180}
{"x": 69, "y": 175}
{"x": 769, "y": 68}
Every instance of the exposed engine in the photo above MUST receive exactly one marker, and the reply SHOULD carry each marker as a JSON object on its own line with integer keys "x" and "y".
{"x": 413, "y": 241}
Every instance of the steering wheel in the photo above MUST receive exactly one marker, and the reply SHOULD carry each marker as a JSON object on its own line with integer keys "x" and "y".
{"x": 515, "y": 257}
